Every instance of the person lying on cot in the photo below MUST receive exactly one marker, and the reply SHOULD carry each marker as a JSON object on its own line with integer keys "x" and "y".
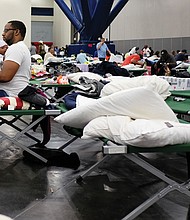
{"x": 15, "y": 72}
{"x": 135, "y": 59}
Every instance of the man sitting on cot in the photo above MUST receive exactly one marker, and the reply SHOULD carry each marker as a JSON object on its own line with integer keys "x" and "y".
{"x": 15, "y": 72}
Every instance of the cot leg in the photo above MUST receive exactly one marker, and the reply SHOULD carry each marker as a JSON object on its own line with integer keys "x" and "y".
{"x": 80, "y": 178}
{"x": 188, "y": 164}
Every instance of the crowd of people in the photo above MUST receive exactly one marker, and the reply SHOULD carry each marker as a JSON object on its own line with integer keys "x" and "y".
{"x": 16, "y": 65}
{"x": 41, "y": 49}
{"x": 161, "y": 62}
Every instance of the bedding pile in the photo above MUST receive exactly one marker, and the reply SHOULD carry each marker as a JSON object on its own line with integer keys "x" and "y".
{"x": 129, "y": 111}
{"x": 139, "y": 132}
{"x": 116, "y": 84}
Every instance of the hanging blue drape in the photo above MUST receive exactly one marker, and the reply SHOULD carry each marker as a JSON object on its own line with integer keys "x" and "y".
{"x": 77, "y": 9}
{"x": 77, "y": 24}
{"x": 91, "y": 17}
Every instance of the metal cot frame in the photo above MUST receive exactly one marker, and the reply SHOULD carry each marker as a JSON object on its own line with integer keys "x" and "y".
{"x": 134, "y": 154}
{"x": 109, "y": 149}
{"x": 17, "y": 115}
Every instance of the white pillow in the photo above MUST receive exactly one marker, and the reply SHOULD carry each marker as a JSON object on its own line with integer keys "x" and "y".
{"x": 157, "y": 84}
{"x": 75, "y": 76}
{"x": 136, "y": 103}
{"x": 100, "y": 127}
{"x": 139, "y": 132}
{"x": 116, "y": 58}
{"x": 83, "y": 100}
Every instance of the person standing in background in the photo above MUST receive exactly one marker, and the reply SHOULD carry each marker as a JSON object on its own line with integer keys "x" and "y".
{"x": 41, "y": 49}
{"x": 33, "y": 49}
{"x": 102, "y": 48}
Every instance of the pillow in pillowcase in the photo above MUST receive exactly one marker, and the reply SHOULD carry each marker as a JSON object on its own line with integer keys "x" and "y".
{"x": 156, "y": 84}
{"x": 139, "y": 132}
{"x": 135, "y": 103}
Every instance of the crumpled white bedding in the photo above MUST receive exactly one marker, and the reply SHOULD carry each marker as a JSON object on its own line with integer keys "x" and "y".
{"x": 132, "y": 67}
{"x": 136, "y": 103}
{"x": 139, "y": 132}
{"x": 157, "y": 84}
{"x": 129, "y": 113}
{"x": 76, "y": 76}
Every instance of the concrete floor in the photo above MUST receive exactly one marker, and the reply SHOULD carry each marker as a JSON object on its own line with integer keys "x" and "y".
{"x": 31, "y": 191}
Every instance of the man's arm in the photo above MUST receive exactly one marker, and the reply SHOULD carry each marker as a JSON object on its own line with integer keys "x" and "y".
{"x": 109, "y": 51}
{"x": 99, "y": 45}
{"x": 8, "y": 71}
{"x": 135, "y": 61}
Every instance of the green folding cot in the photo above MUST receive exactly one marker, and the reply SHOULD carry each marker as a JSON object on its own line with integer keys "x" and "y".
{"x": 16, "y": 115}
{"x": 63, "y": 89}
{"x": 181, "y": 106}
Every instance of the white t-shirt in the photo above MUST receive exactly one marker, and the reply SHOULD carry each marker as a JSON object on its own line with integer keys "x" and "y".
{"x": 133, "y": 51}
{"x": 48, "y": 57}
{"x": 19, "y": 53}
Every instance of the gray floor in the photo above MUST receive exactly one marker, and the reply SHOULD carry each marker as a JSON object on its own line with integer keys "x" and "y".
{"x": 30, "y": 191}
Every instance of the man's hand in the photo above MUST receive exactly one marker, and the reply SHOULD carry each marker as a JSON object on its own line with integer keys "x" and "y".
{"x": 8, "y": 71}
{"x": 3, "y": 49}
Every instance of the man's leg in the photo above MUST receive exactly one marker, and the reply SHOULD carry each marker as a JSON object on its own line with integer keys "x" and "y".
{"x": 3, "y": 93}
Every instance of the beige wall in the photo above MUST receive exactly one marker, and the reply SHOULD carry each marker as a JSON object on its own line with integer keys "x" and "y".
{"x": 61, "y": 27}
{"x": 12, "y": 10}
{"x": 152, "y": 19}
{"x": 138, "y": 19}
{"x": 42, "y": 3}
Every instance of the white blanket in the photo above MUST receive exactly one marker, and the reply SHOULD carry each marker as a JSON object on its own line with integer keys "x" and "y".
{"x": 136, "y": 103}
{"x": 139, "y": 132}
{"x": 158, "y": 85}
